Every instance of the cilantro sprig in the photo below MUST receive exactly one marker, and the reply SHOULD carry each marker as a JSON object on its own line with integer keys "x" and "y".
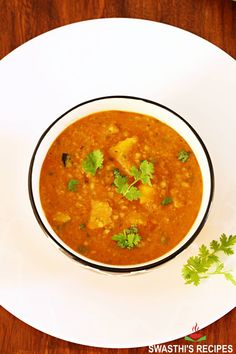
{"x": 92, "y": 162}
{"x": 208, "y": 263}
{"x": 123, "y": 187}
{"x": 144, "y": 174}
{"x": 128, "y": 238}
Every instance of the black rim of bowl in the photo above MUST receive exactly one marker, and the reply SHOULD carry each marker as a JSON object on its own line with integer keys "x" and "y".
{"x": 110, "y": 268}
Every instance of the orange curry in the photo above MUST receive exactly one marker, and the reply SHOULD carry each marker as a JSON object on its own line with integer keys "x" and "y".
{"x": 120, "y": 188}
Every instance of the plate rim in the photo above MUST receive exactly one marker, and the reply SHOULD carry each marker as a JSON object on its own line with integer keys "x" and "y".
{"x": 62, "y": 27}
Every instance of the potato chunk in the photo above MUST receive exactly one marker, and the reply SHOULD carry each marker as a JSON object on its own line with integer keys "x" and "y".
{"x": 121, "y": 150}
{"x": 112, "y": 129}
{"x": 61, "y": 218}
{"x": 147, "y": 194}
{"x": 100, "y": 215}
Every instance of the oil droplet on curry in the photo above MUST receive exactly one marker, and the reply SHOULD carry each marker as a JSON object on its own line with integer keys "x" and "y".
{"x": 120, "y": 188}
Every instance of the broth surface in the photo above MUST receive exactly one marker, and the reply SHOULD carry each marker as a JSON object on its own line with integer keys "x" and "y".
{"x": 86, "y": 211}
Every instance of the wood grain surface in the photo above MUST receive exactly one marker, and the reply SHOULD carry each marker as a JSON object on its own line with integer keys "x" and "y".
{"x": 21, "y": 20}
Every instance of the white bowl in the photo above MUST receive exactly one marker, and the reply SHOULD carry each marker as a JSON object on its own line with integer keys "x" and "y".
{"x": 128, "y": 104}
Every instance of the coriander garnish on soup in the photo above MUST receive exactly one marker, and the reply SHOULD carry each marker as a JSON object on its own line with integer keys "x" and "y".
{"x": 139, "y": 184}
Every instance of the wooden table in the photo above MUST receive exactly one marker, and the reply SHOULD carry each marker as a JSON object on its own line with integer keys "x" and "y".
{"x": 21, "y": 20}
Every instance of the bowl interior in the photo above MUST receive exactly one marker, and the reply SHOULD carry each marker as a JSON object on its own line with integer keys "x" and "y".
{"x": 128, "y": 104}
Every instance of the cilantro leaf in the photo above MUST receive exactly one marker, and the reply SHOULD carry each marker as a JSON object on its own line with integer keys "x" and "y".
{"x": 166, "y": 201}
{"x": 147, "y": 170}
{"x": 129, "y": 191}
{"x": 229, "y": 276}
{"x": 190, "y": 276}
{"x": 207, "y": 262}
{"x": 72, "y": 185}
{"x": 203, "y": 251}
{"x": 129, "y": 238}
{"x": 92, "y": 162}
{"x": 225, "y": 244}
{"x": 183, "y": 156}
{"x": 132, "y": 229}
{"x": 121, "y": 182}
{"x": 133, "y": 193}
{"x": 135, "y": 172}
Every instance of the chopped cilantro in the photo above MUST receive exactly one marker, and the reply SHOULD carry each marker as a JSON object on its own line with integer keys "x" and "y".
{"x": 183, "y": 156}
{"x": 82, "y": 226}
{"x": 129, "y": 238}
{"x": 144, "y": 174}
{"x": 208, "y": 263}
{"x": 66, "y": 159}
{"x": 72, "y": 185}
{"x": 166, "y": 201}
{"x": 92, "y": 162}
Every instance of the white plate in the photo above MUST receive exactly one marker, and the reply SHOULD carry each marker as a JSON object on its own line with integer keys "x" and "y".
{"x": 56, "y": 71}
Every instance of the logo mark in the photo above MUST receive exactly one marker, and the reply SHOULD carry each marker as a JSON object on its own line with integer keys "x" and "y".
{"x": 196, "y": 336}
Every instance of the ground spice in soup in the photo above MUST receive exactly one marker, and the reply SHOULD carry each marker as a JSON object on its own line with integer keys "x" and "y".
{"x": 120, "y": 188}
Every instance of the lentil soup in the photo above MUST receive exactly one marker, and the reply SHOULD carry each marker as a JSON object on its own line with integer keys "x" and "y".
{"x": 120, "y": 188}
